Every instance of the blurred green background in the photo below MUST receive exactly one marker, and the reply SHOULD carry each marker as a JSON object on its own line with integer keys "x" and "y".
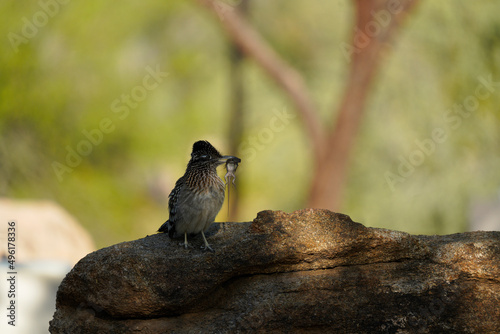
{"x": 65, "y": 78}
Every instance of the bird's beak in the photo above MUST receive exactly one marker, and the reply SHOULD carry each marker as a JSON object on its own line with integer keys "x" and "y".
{"x": 226, "y": 158}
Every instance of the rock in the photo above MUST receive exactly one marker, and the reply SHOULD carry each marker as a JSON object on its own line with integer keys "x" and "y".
{"x": 308, "y": 271}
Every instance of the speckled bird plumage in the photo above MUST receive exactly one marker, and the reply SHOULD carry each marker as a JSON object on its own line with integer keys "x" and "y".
{"x": 198, "y": 195}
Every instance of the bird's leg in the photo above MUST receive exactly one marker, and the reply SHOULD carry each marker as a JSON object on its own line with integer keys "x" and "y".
{"x": 207, "y": 246}
{"x": 185, "y": 243}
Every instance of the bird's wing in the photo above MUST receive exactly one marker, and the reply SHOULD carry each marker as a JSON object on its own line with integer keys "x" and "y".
{"x": 173, "y": 205}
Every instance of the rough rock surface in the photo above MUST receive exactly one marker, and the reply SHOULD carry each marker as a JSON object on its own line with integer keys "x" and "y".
{"x": 308, "y": 271}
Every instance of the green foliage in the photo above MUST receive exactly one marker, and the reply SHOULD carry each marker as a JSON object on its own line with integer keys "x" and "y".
{"x": 66, "y": 78}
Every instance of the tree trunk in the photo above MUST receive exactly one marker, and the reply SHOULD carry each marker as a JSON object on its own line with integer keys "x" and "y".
{"x": 376, "y": 23}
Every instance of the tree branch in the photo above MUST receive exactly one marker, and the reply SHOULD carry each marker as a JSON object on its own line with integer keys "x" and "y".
{"x": 283, "y": 74}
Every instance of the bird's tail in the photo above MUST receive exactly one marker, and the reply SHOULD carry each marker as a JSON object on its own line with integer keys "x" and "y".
{"x": 164, "y": 227}
{"x": 167, "y": 227}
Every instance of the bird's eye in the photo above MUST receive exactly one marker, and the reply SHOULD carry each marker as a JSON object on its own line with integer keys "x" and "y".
{"x": 204, "y": 156}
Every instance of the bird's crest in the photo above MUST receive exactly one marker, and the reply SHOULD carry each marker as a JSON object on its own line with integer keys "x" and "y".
{"x": 203, "y": 147}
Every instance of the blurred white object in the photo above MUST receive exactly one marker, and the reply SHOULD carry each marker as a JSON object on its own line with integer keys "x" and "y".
{"x": 36, "y": 287}
{"x": 44, "y": 231}
{"x": 485, "y": 215}
{"x": 48, "y": 243}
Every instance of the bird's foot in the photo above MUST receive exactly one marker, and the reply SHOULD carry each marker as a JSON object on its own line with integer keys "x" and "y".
{"x": 207, "y": 248}
{"x": 185, "y": 243}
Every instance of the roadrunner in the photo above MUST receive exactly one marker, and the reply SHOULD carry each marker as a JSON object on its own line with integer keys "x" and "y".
{"x": 198, "y": 195}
